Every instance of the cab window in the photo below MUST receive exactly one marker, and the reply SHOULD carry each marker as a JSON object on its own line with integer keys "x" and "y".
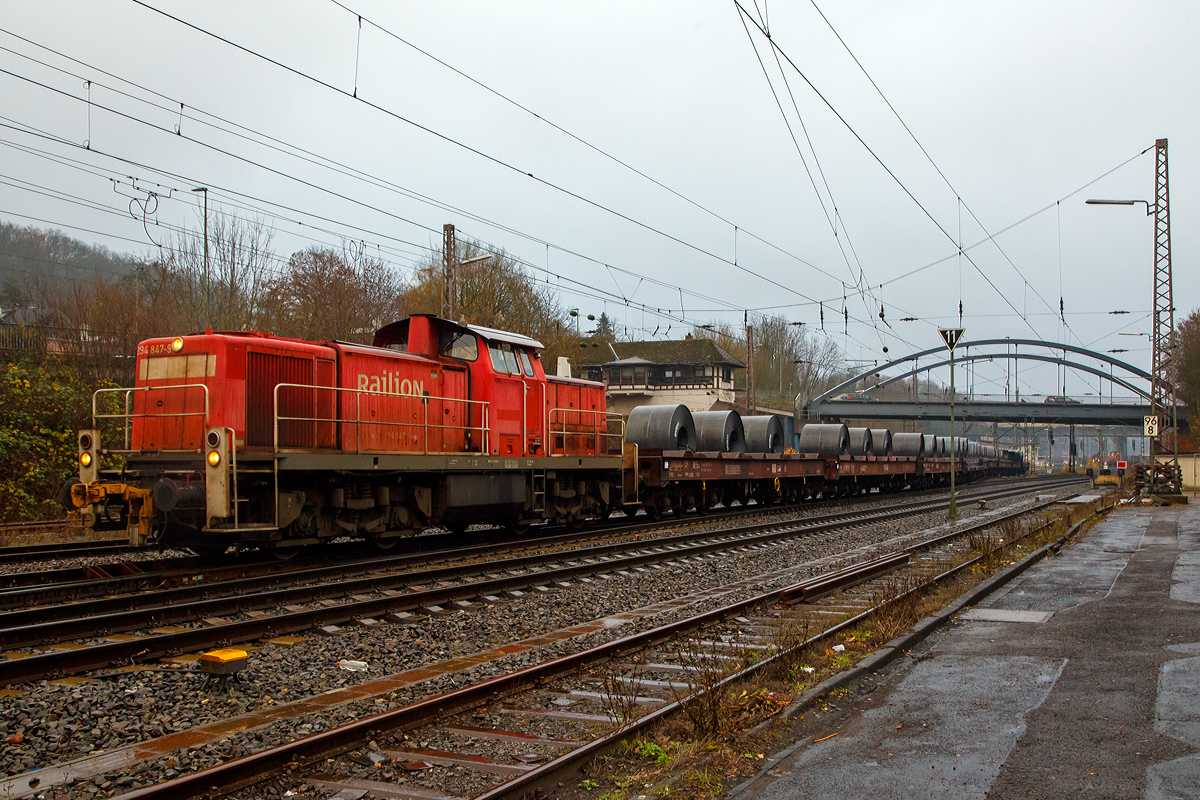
{"x": 462, "y": 345}
{"x": 497, "y": 358}
{"x": 510, "y": 358}
{"x": 526, "y": 364}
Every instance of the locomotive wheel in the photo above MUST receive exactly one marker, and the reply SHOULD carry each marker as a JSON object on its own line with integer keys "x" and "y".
{"x": 653, "y": 511}
{"x": 384, "y": 542}
{"x": 456, "y": 527}
{"x": 575, "y": 522}
{"x": 519, "y": 528}
{"x": 604, "y": 511}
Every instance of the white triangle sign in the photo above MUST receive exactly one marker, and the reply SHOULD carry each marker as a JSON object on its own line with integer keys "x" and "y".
{"x": 951, "y": 336}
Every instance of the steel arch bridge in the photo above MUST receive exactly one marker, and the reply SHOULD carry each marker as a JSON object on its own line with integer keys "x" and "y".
{"x": 827, "y": 406}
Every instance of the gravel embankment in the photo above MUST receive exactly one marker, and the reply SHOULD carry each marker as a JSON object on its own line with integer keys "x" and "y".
{"x": 61, "y": 723}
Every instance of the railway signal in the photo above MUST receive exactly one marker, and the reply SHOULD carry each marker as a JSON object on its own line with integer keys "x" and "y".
{"x": 951, "y": 336}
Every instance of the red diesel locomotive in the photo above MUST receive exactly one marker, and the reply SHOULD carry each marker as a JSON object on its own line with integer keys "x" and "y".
{"x": 250, "y": 438}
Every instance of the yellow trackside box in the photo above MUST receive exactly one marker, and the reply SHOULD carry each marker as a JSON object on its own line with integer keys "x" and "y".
{"x": 225, "y": 661}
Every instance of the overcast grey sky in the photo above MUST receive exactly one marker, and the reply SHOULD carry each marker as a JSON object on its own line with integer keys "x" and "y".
{"x": 1020, "y": 104}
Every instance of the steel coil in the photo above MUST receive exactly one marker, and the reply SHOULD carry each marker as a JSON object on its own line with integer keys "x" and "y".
{"x": 719, "y": 432}
{"x": 764, "y": 433}
{"x": 824, "y": 439}
{"x": 881, "y": 442}
{"x": 661, "y": 428}
{"x": 860, "y": 441}
{"x": 931, "y": 445}
{"x": 909, "y": 445}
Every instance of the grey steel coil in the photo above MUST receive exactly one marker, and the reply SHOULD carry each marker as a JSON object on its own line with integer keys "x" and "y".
{"x": 824, "y": 439}
{"x": 719, "y": 431}
{"x": 910, "y": 445}
{"x": 764, "y": 433}
{"x": 661, "y": 428}
{"x": 860, "y": 441}
{"x": 881, "y": 442}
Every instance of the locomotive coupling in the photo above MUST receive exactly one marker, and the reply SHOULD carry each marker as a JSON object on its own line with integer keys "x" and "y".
{"x": 116, "y": 506}
{"x": 169, "y": 495}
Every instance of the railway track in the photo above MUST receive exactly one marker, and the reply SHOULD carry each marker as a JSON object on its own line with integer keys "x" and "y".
{"x": 21, "y": 589}
{"x": 500, "y": 738}
{"x": 275, "y": 604}
{"x": 17, "y": 554}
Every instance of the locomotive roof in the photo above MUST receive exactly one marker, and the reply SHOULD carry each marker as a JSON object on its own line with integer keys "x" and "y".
{"x": 494, "y": 335}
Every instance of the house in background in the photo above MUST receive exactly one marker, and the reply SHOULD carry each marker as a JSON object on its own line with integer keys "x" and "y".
{"x": 697, "y": 373}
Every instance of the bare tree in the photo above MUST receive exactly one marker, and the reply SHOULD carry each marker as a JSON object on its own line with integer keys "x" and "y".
{"x": 324, "y": 294}
{"x": 224, "y": 291}
{"x": 788, "y": 359}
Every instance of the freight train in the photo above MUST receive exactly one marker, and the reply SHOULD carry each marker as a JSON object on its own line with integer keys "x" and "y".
{"x": 252, "y": 440}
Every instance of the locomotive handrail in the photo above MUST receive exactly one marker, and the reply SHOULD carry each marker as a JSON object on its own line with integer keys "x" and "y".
{"x": 597, "y": 418}
{"x": 358, "y": 421}
{"x": 128, "y": 415}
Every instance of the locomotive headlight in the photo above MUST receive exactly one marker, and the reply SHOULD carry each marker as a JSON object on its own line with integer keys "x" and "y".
{"x": 214, "y": 458}
{"x": 177, "y": 344}
{"x": 85, "y": 459}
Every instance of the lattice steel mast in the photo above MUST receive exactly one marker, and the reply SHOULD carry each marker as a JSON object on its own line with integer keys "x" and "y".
{"x": 1163, "y": 331}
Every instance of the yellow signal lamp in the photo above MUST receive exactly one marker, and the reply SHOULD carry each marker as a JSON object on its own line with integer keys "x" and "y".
{"x": 177, "y": 344}
{"x": 214, "y": 458}
{"x": 85, "y": 459}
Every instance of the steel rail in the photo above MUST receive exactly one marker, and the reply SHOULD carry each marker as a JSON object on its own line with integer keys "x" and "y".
{"x": 254, "y": 767}
{"x": 41, "y": 613}
{"x": 42, "y": 665}
{"x": 75, "y": 582}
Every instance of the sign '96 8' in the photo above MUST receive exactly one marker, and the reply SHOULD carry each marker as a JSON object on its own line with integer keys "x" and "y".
{"x": 1150, "y": 425}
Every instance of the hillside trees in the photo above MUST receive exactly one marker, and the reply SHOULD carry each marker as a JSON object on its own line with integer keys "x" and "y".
{"x": 1187, "y": 335}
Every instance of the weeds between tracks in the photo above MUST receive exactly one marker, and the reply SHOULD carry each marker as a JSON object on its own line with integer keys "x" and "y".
{"x": 719, "y": 739}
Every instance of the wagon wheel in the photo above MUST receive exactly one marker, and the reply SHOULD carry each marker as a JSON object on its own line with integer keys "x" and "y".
{"x": 209, "y": 552}
{"x": 283, "y": 551}
{"x": 384, "y": 542}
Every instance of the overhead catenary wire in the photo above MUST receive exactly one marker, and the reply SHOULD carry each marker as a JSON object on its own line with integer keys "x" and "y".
{"x": 881, "y": 163}
{"x": 471, "y": 149}
{"x": 581, "y": 140}
{"x": 989, "y": 237}
{"x": 178, "y": 133}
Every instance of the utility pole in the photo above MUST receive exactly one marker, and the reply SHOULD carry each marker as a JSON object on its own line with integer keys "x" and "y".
{"x": 750, "y": 398}
{"x": 207, "y": 280}
{"x": 449, "y": 274}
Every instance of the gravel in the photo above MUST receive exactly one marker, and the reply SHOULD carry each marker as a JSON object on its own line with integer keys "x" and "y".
{"x": 61, "y": 723}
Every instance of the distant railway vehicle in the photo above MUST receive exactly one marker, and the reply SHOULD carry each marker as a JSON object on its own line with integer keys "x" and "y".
{"x": 253, "y": 440}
